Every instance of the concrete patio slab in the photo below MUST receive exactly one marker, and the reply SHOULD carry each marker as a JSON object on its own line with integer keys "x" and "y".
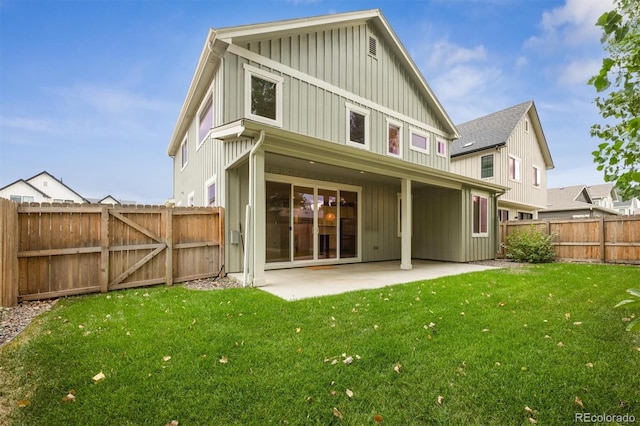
{"x": 302, "y": 283}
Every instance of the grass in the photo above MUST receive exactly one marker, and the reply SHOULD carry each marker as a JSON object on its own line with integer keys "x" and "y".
{"x": 500, "y": 341}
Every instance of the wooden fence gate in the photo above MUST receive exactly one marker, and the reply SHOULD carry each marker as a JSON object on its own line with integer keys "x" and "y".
{"x": 74, "y": 249}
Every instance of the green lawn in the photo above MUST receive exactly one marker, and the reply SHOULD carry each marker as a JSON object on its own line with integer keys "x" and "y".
{"x": 469, "y": 349}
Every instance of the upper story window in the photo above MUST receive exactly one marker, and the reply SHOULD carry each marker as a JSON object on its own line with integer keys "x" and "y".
{"x": 480, "y": 216}
{"x": 263, "y": 96}
{"x": 514, "y": 168}
{"x": 486, "y": 164}
{"x": 184, "y": 151}
{"x": 357, "y": 126}
{"x": 394, "y": 138}
{"x": 441, "y": 148}
{"x": 205, "y": 120}
{"x": 419, "y": 141}
{"x": 537, "y": 177}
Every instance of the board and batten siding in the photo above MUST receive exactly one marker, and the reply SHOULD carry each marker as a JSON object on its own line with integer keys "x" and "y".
{"x": 338, "y": 57}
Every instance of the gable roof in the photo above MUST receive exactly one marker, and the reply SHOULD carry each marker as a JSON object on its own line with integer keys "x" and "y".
{"x": 603, "y": 190}
{"x": 26, "y": 183}
{"x": 59, "y": 182}
{"x": 218, "y": 40}
{"x": 568, "y": 198}
{"x": 493, "y": 130}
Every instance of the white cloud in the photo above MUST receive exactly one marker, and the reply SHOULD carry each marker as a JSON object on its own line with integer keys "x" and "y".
{"x": 521, "y": 62}
{"x": 570, "y": 25}
{"x": 578, "y": 71}
{"x": 445, "y": 53}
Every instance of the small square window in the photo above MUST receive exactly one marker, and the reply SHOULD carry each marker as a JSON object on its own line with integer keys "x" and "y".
{"x": 486, "y": 163}
{"x": 441, "y": 148}
{"x": 210, "y": 191}
{"x": 357, "y": 126}
{"x": 263, "y": 96}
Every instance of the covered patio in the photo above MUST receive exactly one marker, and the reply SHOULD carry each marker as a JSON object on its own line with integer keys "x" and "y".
{"x": 314, "y": 281}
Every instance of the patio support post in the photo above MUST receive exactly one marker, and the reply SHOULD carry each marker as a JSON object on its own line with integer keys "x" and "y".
{"x": 406, "y": 221}
{"x": 258, "y": 219}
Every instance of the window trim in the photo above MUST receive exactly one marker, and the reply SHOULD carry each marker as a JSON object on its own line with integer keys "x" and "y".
{"x": 444, "y": 144}
{"x": 209, "y": 182}
{"x": 208, "y": 99}
{"x": 480, "y": 196}
{"x": 184, "y": 147}
{"x": 391, "y": 122}
{"x": 421, "y": 133}
{"x": 250, "y": 71}
{"x": 493, "y": 169}
{"x": 362, "y": 111}
{"x": 517, "y": 171}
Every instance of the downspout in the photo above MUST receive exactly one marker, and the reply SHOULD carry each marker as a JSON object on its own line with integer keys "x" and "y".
{"x": 496, "y": 219}
{"x": 248, "y": 237}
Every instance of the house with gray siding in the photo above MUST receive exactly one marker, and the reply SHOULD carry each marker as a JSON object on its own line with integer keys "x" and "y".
{"x": 574, "y": 202}
{"x": 325, "y": 145}
{"x": 508, "y": 148}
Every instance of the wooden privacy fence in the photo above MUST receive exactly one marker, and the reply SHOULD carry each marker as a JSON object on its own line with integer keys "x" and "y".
{"x": 65, "y": 249}
{"x": 611, "y": 239}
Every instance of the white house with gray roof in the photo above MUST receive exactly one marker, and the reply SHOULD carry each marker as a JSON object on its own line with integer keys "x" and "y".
{"x": 573, "y": 202}
{"x": 507, "y": 148}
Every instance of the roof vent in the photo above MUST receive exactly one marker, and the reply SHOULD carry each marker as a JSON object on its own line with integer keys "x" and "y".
{"x": 468, "y": 144}
{"x": 373, "y": 46}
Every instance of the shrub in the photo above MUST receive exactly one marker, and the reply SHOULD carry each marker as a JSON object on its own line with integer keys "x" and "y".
{"x": 530, "y": 246}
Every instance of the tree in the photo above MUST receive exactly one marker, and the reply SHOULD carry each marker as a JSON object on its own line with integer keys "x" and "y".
{"x": 618, "y": 156}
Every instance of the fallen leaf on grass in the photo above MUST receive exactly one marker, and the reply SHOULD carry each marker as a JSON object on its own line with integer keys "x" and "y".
{"x": 298, "y": 329}
{"x": 23, "y": 403}
{"x": 560, "y": 344}
{"x": 166, "y": 358}
{"x": 348, "y": 360}
{"x": 440, "y": 399}
{"x": 567, "y": 316}
{"x": 98, "y": 377}
{"x": 377, "y": 418}
{"x": 172, "y": 423}
{"x": 533, "y": 421}
{"x": 590, "y": 364}
{"x": 397, "y": 368}
{"x": 529, "y": 410}
{"x": 349, "y": 393}
{"x": 579, "y": 403}
{"x": 223, "y": 360}
{"x": 501, "y": 304}
{"x": 337, "y": 413}
{"x": 577, "y": 323}
{"x": 71, "y": 396}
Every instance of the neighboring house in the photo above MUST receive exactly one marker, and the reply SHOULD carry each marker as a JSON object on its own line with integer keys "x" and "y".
{"x": 628, "y": 208}
{"x": 508, "y": 148}
{"x": 41, "y": 188}
{"x": 604, "y": 195}
{"x": 325, "y": 145}
{"x": 573, "y": 202}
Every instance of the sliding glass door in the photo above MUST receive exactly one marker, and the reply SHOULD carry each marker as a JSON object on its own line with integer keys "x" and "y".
{"x": 307, "y": 223}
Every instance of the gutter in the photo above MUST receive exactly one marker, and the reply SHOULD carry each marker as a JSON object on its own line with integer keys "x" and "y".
{"x": 248, "y": 237}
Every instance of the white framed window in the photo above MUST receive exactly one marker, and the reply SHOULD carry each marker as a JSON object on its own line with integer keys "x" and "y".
{"x": 210, "y": 192}
{"x": 480, "y": 215}
{"x": 394, "y": 138}
{"x": 357, "y": 126}
{"x": 263, "y": 96}
{"x": 486, "y": 166}
{"x": 441, "y": 148}
{"x": 537, "y": 177}
{"x": 419, "y": 140}
{"x": 191, "y": 199}
{"x": 205, "y": 120}
{"x": 184, "y": 153}
{"x": 514, "y": 168}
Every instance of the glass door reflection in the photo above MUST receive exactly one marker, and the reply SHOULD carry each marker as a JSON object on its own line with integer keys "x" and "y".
{"x": 327, "y": 224}
{"x": 303, "y": 218}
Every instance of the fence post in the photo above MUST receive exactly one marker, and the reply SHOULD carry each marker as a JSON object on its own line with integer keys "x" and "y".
{"x": 104, "y": 249}
{"x": 8, "y": 253}
{"x": 221, "y": 245}
{"x": 169, "y": 243}
{"x": 603, "y": 247}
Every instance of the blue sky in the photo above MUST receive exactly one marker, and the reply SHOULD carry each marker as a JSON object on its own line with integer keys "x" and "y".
{"x": 90, "y": 90}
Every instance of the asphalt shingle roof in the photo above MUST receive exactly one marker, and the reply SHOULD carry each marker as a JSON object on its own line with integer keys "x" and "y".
{"x": 489, "y": 131}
